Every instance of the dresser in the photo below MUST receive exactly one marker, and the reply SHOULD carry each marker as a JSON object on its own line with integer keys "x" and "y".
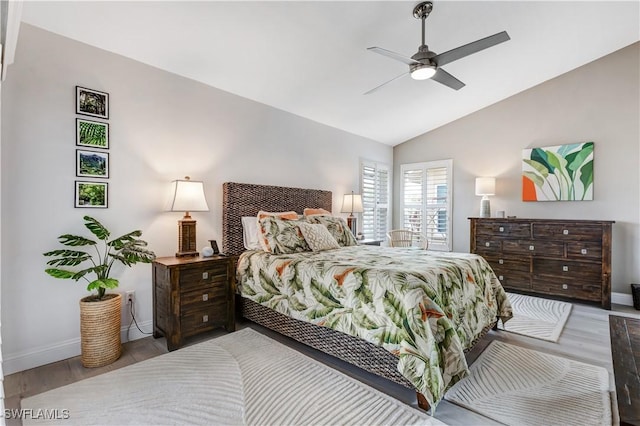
{"x": 191, "y": 295}
{"x": 566, "y": 258}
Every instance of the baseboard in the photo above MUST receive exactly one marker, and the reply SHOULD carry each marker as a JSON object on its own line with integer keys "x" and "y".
{"x": 622, "y": 299}
{"x": 16, "y": 362}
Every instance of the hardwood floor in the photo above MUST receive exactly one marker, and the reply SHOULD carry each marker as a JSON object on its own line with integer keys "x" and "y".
{"x": 585, "y": 338}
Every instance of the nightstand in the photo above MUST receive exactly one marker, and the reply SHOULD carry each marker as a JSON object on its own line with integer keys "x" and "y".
{"x": 369, "y": 242}
{"x": 191, "y": 295}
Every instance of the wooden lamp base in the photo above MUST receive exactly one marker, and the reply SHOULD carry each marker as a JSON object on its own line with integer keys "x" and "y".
{"x": 187, "y": 237}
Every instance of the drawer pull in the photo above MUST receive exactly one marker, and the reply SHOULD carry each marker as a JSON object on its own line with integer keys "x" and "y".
{"x": 565, "y": 269}
{"x": 532, "y": 248}
{"x": 205, "y": 297}
{"x": 501, "y": 229}
{"x": 565, "y": 287}
{"x": 487, "y": 244}
{"x": 583, "y": 251}
{"x": 205, "y": 318}
{"x": 501, "y": 261}
{"x": 205, "y": 275}
{"x": 500, "y": 277}
{"x": 565, "y": 232}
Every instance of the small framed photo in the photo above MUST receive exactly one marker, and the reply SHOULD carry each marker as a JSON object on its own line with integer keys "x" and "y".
{"x": 93, "y": 164}
{"x": 93, "y": 134}
{"x": 92, "y": 194}
{"x": 91, "y": 102}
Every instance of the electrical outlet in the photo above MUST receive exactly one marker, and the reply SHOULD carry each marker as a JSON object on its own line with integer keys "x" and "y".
{"x": 130, "y": 297}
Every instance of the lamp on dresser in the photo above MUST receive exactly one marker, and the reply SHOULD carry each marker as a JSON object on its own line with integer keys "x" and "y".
{"x": 485, "y": 186}
{"x": 187, "y": 196}
{"x": 352, "y": 203}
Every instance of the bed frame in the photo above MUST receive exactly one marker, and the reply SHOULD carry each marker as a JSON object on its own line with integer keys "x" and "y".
{"x": 239, "y": 200}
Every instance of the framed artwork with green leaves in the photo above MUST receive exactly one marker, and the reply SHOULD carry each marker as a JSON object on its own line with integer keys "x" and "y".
{"x": 93, "y": 134}
{"x": 92, "y": 194}
{"x": 558, "y": 173}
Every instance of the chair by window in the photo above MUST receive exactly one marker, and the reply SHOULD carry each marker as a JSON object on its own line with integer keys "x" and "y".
{"x": 407, "y": 238}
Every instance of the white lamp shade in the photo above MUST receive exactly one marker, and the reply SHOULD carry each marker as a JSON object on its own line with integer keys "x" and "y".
{"x": 352, "y": 203}
{"x": 485, "y": 186}
{"x": 187, "y": 196}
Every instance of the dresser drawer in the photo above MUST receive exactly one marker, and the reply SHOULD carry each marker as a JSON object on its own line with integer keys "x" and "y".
{"x": 584, "y": 250}
{"x": 567, "y": 232}
{"x": 504, "y": 264}
{"x": 590, "y": 291}
{"x": 504, "y": 229}
{"x": 515, "y": 279}
{"x": 568, "y": 269}
{"x": 203, "y": 297}
{"x": 487, "y": 245}
{"x": 200, "y": 277}
{"x": 540, "y": 248}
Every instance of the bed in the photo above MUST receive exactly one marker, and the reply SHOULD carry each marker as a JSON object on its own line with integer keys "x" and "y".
{"x": 404, "y": 314}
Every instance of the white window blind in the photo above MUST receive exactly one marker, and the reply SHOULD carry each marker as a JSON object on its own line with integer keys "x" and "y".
{"x": 426, "y": 201}
{"x": 375, "y": 187}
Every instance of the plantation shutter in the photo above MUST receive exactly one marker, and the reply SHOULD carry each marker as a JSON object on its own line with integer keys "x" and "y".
{"x": 426, "y": 201}
{"x": 375, "y": 190}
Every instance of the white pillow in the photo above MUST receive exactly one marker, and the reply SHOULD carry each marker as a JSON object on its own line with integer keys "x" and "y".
{"x": 318, "y": 237}
{"x": 250, "y": 234}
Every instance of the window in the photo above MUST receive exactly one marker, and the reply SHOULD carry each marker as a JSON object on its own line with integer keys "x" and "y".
{"x": 425, "y": 204}
{"x": 375, "y": 186}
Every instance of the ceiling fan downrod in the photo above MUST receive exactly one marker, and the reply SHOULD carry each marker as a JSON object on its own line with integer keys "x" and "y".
{"x": 422, "y": 11}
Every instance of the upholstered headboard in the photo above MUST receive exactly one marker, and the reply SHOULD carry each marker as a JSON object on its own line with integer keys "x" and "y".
{"x": 242, "y": 199}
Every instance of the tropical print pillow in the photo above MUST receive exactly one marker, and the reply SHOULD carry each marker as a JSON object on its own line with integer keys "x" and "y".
{"x": 281, "y": 236}
{"x": 337, "y": 226}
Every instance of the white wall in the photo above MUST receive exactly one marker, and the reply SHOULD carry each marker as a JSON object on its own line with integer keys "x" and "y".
{"x": 162, "y": 127}
{"x": 598, "y": 102}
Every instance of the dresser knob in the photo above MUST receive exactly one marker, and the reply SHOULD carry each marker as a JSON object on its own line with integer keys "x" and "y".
{"x": 583, "y": 251}
{"x": 205, "y": 275}
{"x": 532, "y": 248}
{"x": 501, "y": 261}
{"x": 565, "y": 269}
{"x": 205, "y": 318}
{"x": 500, "y": 277}
{"x": 487, "y": 244}
{"x": 564, "y": 286}
{"x": 501, "y": 229}
{"x": 205, "y": 297}
{"x": 565, "y": 232}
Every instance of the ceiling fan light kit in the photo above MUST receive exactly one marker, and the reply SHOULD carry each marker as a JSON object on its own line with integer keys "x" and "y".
{"x": 426, "y": 64}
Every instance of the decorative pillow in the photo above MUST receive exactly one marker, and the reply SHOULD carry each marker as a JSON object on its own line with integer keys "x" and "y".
{"x": 337, "y": 226}
{"x": 318, "y": 237}
{"x": 250, "y": 234}
{"x": 314, "y": 212}
{"x": 281, "y": 215}
{"x": 281, "y": 236}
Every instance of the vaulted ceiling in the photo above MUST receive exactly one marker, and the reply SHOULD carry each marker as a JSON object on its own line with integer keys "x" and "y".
{"x": 310, "y": 58}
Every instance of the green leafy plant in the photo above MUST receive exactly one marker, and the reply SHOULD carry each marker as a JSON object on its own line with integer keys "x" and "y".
{"x": 127, "y": 249}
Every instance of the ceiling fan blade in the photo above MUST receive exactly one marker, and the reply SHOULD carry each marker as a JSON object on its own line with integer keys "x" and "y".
{"x": 392, "y": 55}
{"x": 471, "y": 48}
{"x": 385, "y": 83}
{"x": 443, "y": 77}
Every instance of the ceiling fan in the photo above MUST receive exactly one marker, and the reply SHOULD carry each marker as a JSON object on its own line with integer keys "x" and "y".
{"x": 426, "y": 64}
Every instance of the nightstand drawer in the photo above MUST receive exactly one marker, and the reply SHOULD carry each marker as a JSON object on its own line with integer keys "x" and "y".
{"x": 203, "y": 297}
{"x": 193, "y": 321}
{"x": 199, "y": 277}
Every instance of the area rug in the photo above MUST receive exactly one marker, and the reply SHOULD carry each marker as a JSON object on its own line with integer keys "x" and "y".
{"x": 518, "y": 386}
{"x": 537, "y": 317}
{"x": 240, "y": 378}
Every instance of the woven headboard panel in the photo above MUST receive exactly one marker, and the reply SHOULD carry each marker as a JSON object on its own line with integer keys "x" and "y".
{"x": 242, "y": 199}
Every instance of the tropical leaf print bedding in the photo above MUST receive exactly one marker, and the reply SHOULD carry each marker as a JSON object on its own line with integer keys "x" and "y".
{"x": 426, "y": 307}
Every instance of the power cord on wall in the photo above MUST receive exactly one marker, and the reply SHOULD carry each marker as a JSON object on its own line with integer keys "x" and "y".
{"x": 132, "y": 309}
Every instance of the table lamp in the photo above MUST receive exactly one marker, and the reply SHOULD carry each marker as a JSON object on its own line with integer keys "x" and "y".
{"x": 352, "y": 203}
{"x": 187, "y": 196}
{"x": 485, "y": 186}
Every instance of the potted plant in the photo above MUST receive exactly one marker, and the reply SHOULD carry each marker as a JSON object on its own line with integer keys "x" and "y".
{"x": 99, "y": 312}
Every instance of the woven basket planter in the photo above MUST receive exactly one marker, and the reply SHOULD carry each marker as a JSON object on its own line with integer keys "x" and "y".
{"x": 100, "y": 330}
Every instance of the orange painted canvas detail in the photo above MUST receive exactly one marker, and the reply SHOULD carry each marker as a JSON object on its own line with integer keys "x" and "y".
{"x": 528, "y": 190}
